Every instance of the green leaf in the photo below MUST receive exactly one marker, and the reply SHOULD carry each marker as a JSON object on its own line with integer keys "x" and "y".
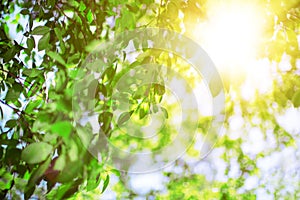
{"x": 32, "y": 72}
{"x": 11, "y": 123}
{"x": 105, "y": 118}
{"x": 40, "y": 30}
{"x": 144, "y": 110}
{"x": 105, "y": 184}
{"x": 57, "y": 57}
{"x": 73, "y": 151}
{"x": 159, "y": 89}
{"x": 296, "y": 99}
{"x": 165, "y": 112}
{"x": 1, "y": 112}
{"x": 12, "y": 95}
{"x": 28, "y": 192}
{"x": 124, "y": 117}
{"x": 60, "y": 163}
{"x": 32, "y": 105}
{"x": 90, "y": 16}
{"x": 58, "y": 33}
{"x": 44, "y": 42}
{"x": 30, "y": 43}
{"x": 35, "y": 177}
{"x": 8, "y": 55}
{"x": 70, "y": 171}
{"x": 36, "y": 152}
{"x": 24, "y": 12}
{"x": 62, "y": 128}
{"x": 82, "y": 6}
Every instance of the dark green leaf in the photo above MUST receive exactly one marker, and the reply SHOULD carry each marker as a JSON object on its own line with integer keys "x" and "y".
{"x": 24, "y": 12}
{"x": 1, "y": 112}
{"x": 8, "y": 55}
{"x": 105, "y": 184}
{"x": 29, "y": 192}
{"x": 30, "y": 43}
{"x": 11, "y": 123}
{"x": 12, "y": 95}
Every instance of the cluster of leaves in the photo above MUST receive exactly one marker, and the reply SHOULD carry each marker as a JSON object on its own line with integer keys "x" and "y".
{"x": 43, "y": 44}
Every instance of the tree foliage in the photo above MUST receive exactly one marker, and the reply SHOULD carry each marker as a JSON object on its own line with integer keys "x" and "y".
{"x": 44, "y": 45}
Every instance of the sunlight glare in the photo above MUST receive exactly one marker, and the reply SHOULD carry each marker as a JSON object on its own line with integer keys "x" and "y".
{"x": 231, "y": 35}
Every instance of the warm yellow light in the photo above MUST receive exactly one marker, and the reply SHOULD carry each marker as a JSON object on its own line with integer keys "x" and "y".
{"x": 231, "y": 34}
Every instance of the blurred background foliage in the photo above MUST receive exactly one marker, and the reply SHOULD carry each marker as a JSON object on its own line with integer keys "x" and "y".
{"x": 44, "y": 44}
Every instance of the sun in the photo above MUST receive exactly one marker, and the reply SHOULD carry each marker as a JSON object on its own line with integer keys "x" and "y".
{"x": 231, "y": 34}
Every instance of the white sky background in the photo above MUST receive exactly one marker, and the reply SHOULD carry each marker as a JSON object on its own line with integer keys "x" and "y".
{"x": 279, "y": 168}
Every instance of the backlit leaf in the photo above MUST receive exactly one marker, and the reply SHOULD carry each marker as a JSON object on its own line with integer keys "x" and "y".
{"x": 62, "y": 128}
{"x": 36, "y": 152}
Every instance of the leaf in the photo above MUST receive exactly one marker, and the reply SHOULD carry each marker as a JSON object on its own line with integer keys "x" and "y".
{"x": 36, "y": 152}
{"x": 1, "y": 112}
{"x": 11, "y": 123}
{"x": 58, "y": 34}
{"x": 32, "y": 105}
{"x": 28, "y": 192}
{"x": 35, "y": 177}
{"x": 12, "y": 95}
{"x": 24, "y": 12}
{"x": 124, "y": 117}
{"x": 8, "y": 55}
{"x": 90, "y": 16}
{"x": 82, "y": 6}
{"x": 62, "y": 128}
{"x": 40, "y": 30}
{"x": 73, "y": 151}
{"x": 296, "y": 99}
{"x": 144, "y": 110}
{"x": 32, "y": 72}
{"x": 165, "y": 112}
{"x": 105, "y": 118}
{"x": 57, "y": 57}
{"x": 71, "y": 170}
{"x": 159, "y": 89}
{"x": 60, "y": 163}
{"x": 44, "y": 42}
{"x": 30, "y": 43}
{"x": 12, "y": 155}
{"x": 105, "y": 184}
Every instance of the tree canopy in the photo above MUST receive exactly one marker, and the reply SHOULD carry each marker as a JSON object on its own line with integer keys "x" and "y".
{"x": 81, "y": 81}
